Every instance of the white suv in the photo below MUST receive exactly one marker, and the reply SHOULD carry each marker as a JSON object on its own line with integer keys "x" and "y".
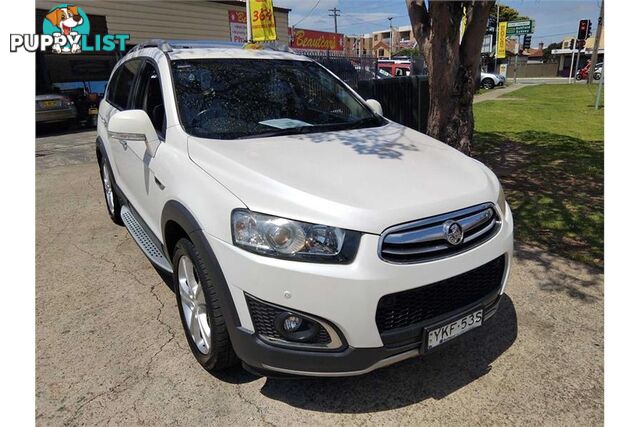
{"x": 306, "y": 234}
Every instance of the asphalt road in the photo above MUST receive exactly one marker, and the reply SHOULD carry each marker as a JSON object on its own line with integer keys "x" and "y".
{"x": 110, "y": 348}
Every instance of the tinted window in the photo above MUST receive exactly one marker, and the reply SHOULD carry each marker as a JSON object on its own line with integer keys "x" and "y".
{"x": 122, "y": 83}
{"x": 239, "y": 98}
{"x": 149, "y": 97}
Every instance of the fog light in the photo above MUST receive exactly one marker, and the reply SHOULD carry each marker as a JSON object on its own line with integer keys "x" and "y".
{"x": 292, "y": 323}
{"x": 293, "y": 327}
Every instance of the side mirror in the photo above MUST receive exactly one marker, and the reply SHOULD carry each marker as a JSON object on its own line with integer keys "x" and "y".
{"x": 134, "y": 125}
{"x": 375, "y": 106}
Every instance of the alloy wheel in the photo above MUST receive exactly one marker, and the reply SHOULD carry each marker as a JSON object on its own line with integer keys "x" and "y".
{"x": 108, "y": 188}
{"x": 194, "y": 305}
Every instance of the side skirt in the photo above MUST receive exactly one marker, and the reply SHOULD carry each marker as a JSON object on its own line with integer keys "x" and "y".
{"x": 145, "y": 240}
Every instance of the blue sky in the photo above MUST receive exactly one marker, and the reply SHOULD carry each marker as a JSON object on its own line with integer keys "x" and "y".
{"x": 555, "y": 19}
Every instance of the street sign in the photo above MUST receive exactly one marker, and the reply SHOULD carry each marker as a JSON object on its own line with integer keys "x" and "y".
{"x": 310, "y": 39}
{"x": 516, "y": 28}
{"x": 503, "y": 70}
{"x": 238, "y": 25}
{"x": 487, "y": 44}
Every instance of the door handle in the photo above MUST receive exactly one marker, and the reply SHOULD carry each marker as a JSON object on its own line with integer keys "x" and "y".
{"x": 123, "y": 143}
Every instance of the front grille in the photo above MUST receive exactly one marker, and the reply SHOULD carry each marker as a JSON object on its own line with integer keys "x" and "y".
{"x": 263, "y": 317}
{"x": 425, "y": 239}
{"x": 419, "y": 305}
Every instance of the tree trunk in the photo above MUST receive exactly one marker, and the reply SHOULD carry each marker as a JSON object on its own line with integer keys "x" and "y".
{"x": 452, "y": 65}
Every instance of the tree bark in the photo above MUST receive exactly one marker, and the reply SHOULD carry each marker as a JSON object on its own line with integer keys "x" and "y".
{"x": 452, "y": 64}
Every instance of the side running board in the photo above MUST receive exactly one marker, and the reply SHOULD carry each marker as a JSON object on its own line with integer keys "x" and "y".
{"x": 142, "y": 238}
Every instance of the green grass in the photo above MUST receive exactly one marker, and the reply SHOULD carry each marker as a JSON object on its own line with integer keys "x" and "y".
{"x": 546, "y": 143}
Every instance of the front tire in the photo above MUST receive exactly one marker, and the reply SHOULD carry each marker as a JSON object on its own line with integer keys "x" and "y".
{"x": 110, "y": 196}
{"x": 200, "y": 309}
{"x": 488, "y": 83}
{"x": 596, "y": 76}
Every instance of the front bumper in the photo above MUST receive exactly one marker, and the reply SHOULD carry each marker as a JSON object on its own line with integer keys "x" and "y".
{"x": 346, "y": 296}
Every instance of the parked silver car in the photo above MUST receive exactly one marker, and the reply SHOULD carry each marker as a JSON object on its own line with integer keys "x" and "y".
{"x": 51, "y": 108}
{"x": 490, "y": 80}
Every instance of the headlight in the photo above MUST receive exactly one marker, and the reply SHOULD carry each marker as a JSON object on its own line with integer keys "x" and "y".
{"x": 284, "y": 238}
{"x": 502, "y": 202}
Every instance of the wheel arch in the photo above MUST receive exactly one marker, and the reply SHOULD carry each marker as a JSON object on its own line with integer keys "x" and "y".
{"x": 177, "y": 222}
{"x": 100, "y": 150}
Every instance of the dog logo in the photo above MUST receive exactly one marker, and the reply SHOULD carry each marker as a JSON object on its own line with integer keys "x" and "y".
{"x": 67, "y": 21}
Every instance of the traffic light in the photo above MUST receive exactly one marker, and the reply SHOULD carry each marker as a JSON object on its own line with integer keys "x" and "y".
{"x": 526, "y": 43}
{"x": 584, "y": 29}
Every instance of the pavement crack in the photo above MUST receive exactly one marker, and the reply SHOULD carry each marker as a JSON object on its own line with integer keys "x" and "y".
{"x": 172, "y": 334}
{"x": 114, "y": 390}
{"x": 260, "y": 411}
{"x": 153, "y": 289}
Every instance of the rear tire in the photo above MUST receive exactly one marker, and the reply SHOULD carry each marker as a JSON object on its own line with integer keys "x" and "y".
{"x": 488, "y": 83}
{"x": 200, "y": 309}
{"x": 110, "y": 197}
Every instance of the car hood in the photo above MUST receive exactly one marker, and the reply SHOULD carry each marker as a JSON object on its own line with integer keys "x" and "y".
{"x": 365, "y": 179}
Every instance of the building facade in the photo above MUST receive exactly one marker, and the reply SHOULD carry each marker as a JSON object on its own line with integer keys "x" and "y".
{"x": 142, "y": 20}
{"x": 580, "y": 58}
{"x": 145, "y": 20}
{"x": 382, "y": 43}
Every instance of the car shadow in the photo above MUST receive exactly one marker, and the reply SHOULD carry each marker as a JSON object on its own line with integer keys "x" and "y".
{"x": 56, "y": 129}
{"x": 433, "y": 376}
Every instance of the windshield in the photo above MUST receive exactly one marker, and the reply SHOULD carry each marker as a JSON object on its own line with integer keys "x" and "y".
{"x": 244, "y": 98}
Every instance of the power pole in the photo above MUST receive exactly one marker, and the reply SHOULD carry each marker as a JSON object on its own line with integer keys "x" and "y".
{"x": 597, "y": 105}
{"x": 573, "y": 46}
{"x": 596, "y": 44}
{"x": 335, "y": 13}
{"x": 390, "y": 37}
{"x": 495, "y": 65}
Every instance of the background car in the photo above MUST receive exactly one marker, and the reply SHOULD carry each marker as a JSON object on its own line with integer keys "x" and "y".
{"x": 597, "y": 71}
{"x": 52, "y": 108}
{"x": 490, "y": 80}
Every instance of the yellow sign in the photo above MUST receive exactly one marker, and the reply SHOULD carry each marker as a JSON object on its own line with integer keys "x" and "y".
{"x": 502, "y": 40}
{"x": 263, "y": 21}
{"x": 463, "y": 23}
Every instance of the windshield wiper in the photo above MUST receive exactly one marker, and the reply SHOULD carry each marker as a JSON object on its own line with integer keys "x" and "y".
{"x": 327, "y": 127}
{"x": 279, "y": 132}
{"x": 364, "y": 122}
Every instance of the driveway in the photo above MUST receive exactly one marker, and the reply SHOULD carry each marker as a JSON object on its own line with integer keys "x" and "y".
{"x": 110, "y": 347}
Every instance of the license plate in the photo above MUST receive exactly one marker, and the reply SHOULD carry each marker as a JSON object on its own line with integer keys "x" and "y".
{"x": 93, "y": 111}
{"x": 444, "y": 333}
{"x": 50, "y": 104}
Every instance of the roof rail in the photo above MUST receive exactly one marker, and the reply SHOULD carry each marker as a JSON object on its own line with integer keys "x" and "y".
{"x": 160, "y": 44}
{"x": 170, "y": 45}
